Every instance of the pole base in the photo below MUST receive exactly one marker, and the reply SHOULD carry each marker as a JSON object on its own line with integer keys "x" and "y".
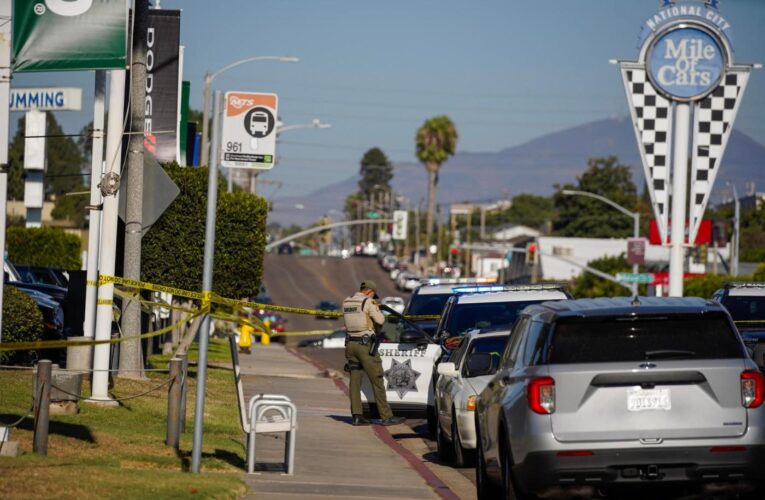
{"x": 106, "y": 402}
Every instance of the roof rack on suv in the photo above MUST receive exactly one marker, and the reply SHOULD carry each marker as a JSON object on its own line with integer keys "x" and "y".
{"x": 744, "y": 284}
{"x": 509, "y": 288}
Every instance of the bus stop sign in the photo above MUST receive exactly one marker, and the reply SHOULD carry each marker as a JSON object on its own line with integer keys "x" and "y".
{"x": 249, "y": 131}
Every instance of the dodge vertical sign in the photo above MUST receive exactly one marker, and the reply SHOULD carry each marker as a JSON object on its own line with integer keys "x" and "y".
{"x": 249, "y": 130}
{"x": 161, "y": 125}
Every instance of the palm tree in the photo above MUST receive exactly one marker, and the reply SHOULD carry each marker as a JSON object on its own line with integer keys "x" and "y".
{"x": 436, "y": 142}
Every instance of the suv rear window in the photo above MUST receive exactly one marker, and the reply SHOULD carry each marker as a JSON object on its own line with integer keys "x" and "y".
{"x": 601, "y": 340}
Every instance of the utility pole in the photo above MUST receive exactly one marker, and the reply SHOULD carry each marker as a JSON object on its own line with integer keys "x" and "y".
{"x": 131, "y": 357}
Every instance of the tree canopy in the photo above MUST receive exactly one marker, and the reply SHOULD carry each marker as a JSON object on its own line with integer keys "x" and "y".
{"x": 173, "y": 249}
{"x": 63, "y": 176}
{"x": 581, "y": 216}
{"x": 376, "y": 171}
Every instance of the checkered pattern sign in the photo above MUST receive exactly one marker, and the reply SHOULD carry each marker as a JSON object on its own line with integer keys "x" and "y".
{"x": 652, "y": 118}
{"x": 712, "y": 123}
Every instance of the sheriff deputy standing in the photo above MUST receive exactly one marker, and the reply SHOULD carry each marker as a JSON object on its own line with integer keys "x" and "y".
{"x": 361, "y": 313}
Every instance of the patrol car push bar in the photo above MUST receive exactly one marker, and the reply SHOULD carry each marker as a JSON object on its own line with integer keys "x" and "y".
{"x": 397, "y": 314}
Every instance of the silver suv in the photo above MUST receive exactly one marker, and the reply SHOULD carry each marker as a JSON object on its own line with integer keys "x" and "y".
{"x": 596, "y": 395}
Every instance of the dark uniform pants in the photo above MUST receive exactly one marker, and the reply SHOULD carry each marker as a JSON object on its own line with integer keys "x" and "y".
{"x": 358, "y": 354}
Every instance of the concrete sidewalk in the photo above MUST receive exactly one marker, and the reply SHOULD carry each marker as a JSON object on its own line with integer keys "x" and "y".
{"x": 334, "y": 459}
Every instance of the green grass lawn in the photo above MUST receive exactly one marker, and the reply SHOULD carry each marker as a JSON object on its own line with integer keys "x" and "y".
{"x": 119, "y": 452}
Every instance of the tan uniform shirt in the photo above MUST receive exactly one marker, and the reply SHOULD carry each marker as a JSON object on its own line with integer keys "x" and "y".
{"x": 360, "y": 313}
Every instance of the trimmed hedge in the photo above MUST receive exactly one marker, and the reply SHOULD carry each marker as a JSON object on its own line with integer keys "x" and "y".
{"x": 173, "y": 249}
{"x": 22, "y": 322}
{"x": 44, "y": 246}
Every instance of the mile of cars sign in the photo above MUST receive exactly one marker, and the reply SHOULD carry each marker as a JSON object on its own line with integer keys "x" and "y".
{"x": 249, "y": 130}
{"x": 686, "y": 57}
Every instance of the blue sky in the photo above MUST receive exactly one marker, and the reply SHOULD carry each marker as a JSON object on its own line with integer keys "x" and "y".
{"x": 505, "y": 71}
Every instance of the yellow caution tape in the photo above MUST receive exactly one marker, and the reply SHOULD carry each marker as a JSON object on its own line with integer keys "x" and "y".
{"x": 207, "y": 298}
{"x": 104, "y": 302}
{"x": 116, "y": 280}
{"x": 750, "y": 321}
{"x": 58, "y": 344}
{"x": 306, "y": 332}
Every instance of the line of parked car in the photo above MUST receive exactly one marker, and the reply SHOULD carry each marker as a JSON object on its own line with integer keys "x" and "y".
{"x": 552, "y": 397}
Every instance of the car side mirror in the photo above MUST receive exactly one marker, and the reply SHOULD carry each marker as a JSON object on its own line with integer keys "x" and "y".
{"x": 447, "y": 369}
{"x": 411, "y": 337}
{"x": 479, "y": 363}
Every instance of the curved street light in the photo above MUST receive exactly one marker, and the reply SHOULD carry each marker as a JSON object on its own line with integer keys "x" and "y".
{"x": 209, "y": 77}
{"x": 635, "y": 217}
{"x": 315, "y": 123}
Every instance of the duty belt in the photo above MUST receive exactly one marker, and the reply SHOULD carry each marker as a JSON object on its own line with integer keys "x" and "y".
{"x": 364, "y": 339}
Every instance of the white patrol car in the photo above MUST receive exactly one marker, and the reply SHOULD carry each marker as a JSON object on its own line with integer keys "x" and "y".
{"x": 407, "y": 356}
{"x": 746, "y": 304}
{"x": 470, "y": 368}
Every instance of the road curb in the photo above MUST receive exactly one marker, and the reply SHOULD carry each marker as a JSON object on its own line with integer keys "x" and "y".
{"x": 382, "y": 433}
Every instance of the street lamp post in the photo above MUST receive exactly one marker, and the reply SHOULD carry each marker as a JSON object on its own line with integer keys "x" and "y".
{"x": 736, "y": 231}
{"x": 209, "y": 77}
{"x": 280, "y": 127}
{"x": 635, "y": 217}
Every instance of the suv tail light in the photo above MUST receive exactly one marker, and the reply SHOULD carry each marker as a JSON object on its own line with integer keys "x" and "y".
{"x": 541, "y": 395}
{"x": 752, "y": 388}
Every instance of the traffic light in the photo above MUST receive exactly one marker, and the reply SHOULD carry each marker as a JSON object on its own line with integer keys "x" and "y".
{"x": 531, "y": 251}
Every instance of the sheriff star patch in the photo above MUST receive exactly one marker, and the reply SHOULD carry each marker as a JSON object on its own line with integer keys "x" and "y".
{"x": 402, "y": 378}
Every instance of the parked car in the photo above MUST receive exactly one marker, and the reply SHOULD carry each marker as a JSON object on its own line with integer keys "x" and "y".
{"x": 333, "y": 340}
{"x": 746, "y": 304}
{"x": 598, "y": 395}
{"x": 461, "y": 379}
{"x": 328, "y": 306}
{"x": 395, "y": 303}
{"x": 42, "y": 275}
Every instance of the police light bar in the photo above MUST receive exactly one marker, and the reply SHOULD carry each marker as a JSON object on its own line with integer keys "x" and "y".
{"x": 478, "y": 289}
{"x": 509, "y": 288}
{"x": 452, "y": 281}
{"x": 744, "y": 284}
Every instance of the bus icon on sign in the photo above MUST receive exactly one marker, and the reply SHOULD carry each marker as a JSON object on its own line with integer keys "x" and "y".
{"x": 258, "y": 124}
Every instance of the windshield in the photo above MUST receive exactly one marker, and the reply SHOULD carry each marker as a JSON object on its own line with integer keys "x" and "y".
{"x": 492, "y": 345}
{"x": 487, "y": 316}
{"x": 428, "y": 304}
{"x": 747, "y": 312}
{"x": 602, "y": 340}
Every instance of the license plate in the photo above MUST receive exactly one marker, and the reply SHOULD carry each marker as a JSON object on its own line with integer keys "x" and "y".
{"x": 648, "y": 399}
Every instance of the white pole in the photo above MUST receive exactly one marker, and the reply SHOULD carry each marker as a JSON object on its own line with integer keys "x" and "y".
{"x": 736, "y": 233}
{"x": 3, "y": 201}
{"x": 679, "y": 185}
{"x": 5, "y": 105}
{"x": 108, "y": 238}
{"x": 94, "y": 225}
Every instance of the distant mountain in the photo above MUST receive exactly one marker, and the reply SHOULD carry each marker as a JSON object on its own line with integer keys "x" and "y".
{"x": 534, "y": 167}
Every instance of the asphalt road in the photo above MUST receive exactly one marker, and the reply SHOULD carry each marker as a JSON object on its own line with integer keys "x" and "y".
{"x": 304, "y": 281}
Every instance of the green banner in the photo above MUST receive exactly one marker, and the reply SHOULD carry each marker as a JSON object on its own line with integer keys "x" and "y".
{"x": 69, "y": 35}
